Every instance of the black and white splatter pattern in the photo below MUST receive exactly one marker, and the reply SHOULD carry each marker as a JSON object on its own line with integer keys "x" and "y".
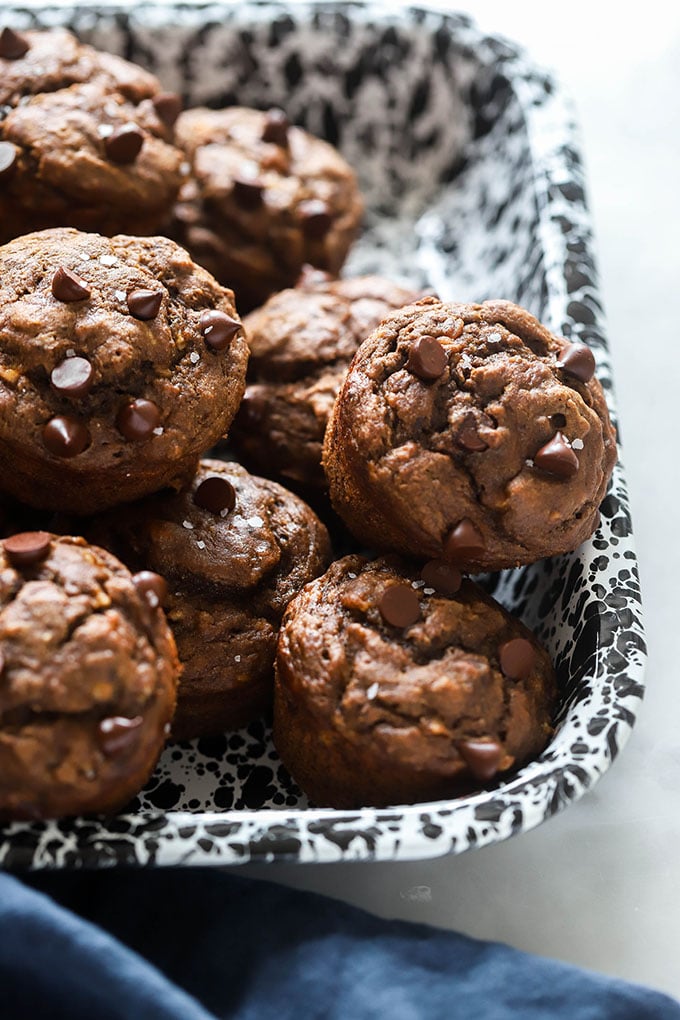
{"x": 468, "y": 157}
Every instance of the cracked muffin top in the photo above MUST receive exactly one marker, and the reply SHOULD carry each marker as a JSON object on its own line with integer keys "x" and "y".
{"x": 121, "y": 361}
{"x": 301, "y": 344}
{"x": 472, "y": 433}
{"x": 85, "y": 139}
{"x": 88, "y": 672}
{"x": 397, "y": 684}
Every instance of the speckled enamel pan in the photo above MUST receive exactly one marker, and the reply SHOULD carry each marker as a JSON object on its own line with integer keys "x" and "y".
{"x": 469, "y": 161}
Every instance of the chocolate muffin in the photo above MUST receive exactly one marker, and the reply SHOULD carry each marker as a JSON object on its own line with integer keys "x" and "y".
{"x": 470, "y": 433}
{"x": 85, "y": 139}
{"x": 395, "y": 686}
{"x": 234, "y": 550}
{"x": 88, "y": 676}
{"x": 301, "y": 344}
{"x": 121, "y": 362}
{"x": 265, "y": 198}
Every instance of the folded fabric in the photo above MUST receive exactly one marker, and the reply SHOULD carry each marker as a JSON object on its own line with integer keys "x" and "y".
{"x": 196, "y": 945}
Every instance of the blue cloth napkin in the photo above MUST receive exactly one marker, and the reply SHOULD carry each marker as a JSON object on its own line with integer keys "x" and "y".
{"x": 196, "y": 945}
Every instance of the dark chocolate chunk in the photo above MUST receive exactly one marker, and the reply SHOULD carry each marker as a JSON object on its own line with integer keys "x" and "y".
{"x": 144, "y": 304}
{"x": 137, "y": 420}
{"x": 65, "y": 437}
{"x": 67, "y": 287}
{"x": 517, "y": 658}
{"x": 276, "y": 128}
{"x": 27, "y": 548}
{"x": 578, "y": 360}
{"x": 442, "y": 576}
{"x": 152, "y": 587}
{"x": 73, "y": 377}
{"x": 463, "y": 542}
{"x": 469, "y": 439}
{"x": 13, "y": 45}
{"x": 248, "y": 190}
{"x": 557, "y": 458}
{"x": 427, "y": 358}
{"x": 215, "y": 494}
{"x": 399, "y": 605}
{"x": 118, "y": 734}
{"x": 315, "y": 216}
{"x": 124, "y": 144}
{"x": 218, "y": 329}
{"x": 9, "y": 155}
{"x": 168, "y": 106}
{"x": 482, "y": 757}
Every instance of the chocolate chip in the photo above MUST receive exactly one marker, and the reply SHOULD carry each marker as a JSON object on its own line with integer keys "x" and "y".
{"x": 469, "y": 439}
{"x": 399, "y": 605}
{"x": 315, "y": 217}
{"x": 27, "y": 548}
{"x": 557, "y": 458}
{"x": 275, "y": 129}
{"x": 215, "y": 494}
{"x": 65, "y": 437}
{"x": 247, "y": 190}
{"x": 427, "y": 358}
{"x": 152, "y": 587}
{"x": 168, "y": 106}
{"x": 118, "y": 734}
{"x": 144, "y": 304}
{"x": 137, "y": 420}
{"x": 578, "y": 360}
{"x": 218, "y": 329}
{"x": 482, "y": 757}
{"x": 67, "y": 287}
{"x": 9, "y": 155}
{"x": 73, "y": 377}
{"x": 464, "y": 543}
{"x": 517, "y": 658}
{"x": 442, "y": 576}
{"x": 13, "y": 45}
{"x": 124, "y": 144}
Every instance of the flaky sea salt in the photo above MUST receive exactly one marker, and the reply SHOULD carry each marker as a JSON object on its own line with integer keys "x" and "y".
{"x": 108, "y": 260}
{"x": 237, "y": 658}
{"x": 120, "y": 295}
{"x": 529, "y": 462}
{"x": 188, "y": 525}
{"x": 353, "y": 576}
{"x": 428, "y": 591}
{"x": 158, "y": 431}
{"x": 105, "y": 130}
{"x": 70, "y": 353}
{"x": 417, "y": 584}
{"x": 372, "y": 691}
{"x": 201, "y": 545}
{"x": 194, "y": 357}
{"x": 254, "y": 522}
{"x": 577, "y": 444}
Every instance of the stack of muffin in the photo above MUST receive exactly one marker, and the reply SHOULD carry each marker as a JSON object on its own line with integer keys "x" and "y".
{"x": 450, "y": 438}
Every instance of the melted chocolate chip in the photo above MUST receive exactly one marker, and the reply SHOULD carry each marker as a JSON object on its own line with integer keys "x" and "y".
{"x": 27, "y": 548}
{"x": 517, "y": 658}
{"x": 218, "y": 329}
{"x": 168, "y": 106}
{"x": 427, "y": 358}
{"x": 442, "y": 576}
{"x": 73, "y": 377}
{"x": 315, "y": 217}
{"x": 137, "y": 420}
{"x": 13, "y": 45}
{"x": 463, "y": 543}
{"x": 578, "y": 360}
{"x": 482, "y": 757}
{"x": 275, "y": 129}
{"x": 215, "y": 494}
{"x": 65, "y": 437}
{"x": 399, "y": 605}
{"x": 152, "y": 587}
{"x": 248, "y": 191}
{"x": 469, "y": 439}
{"x": 144, "y": 304}
{"x": 67, "y": 287}
{"x": 9, "y": 155}
{"x": 124, "y": 144}
{"x": 557, "y": 458}
{"x": 118, "y": 734}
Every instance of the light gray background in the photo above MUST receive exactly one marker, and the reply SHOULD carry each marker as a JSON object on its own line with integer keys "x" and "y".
{"x": 599, "y": 885}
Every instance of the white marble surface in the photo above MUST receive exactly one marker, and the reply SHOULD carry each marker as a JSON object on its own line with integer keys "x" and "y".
{"x": 599, "y": 885}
